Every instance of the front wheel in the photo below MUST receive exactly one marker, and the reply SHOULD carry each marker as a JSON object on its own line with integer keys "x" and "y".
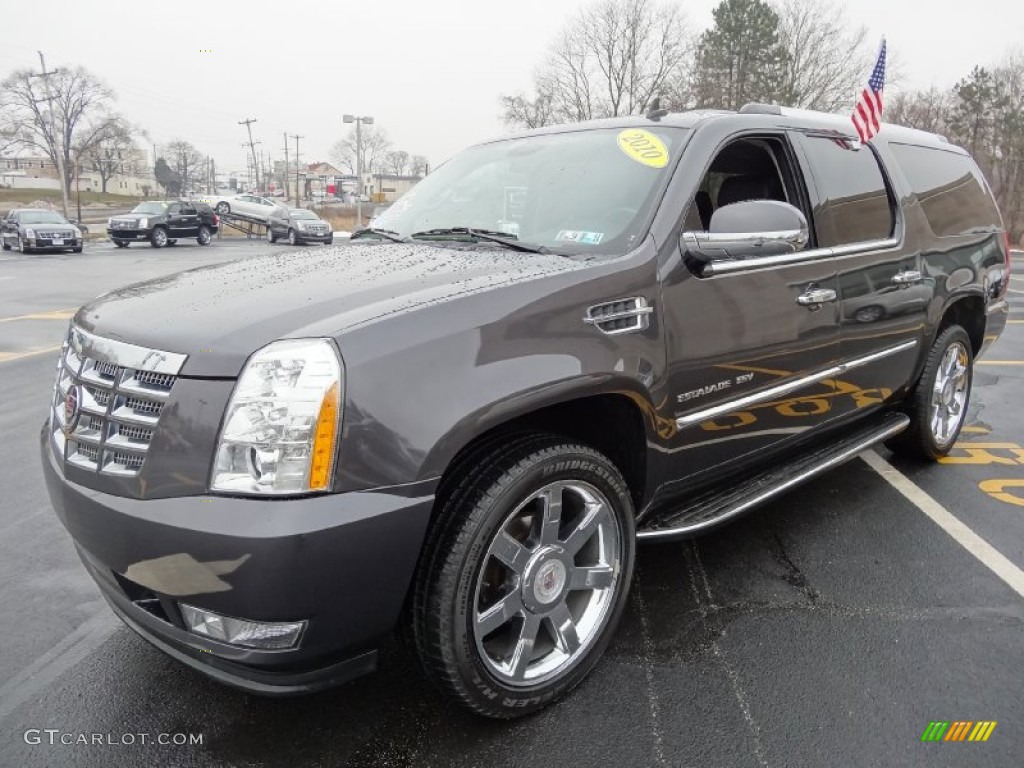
{"x": 525, "y": 576}
{"x": 22, "y": 247}
{"x": 159, "y": 237}
{"x": 77, "y": 250}
{"x": 293, "y": 239}
{"x": 121, "y": 243}
{"x": 937, "y": 406}
{"x": 204, "y": 237}
{"x": 223, "y": 208}
{"x": 271, "y": 235}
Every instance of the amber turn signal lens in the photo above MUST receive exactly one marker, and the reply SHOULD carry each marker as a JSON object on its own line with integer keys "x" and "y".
{"x": 323, "y": 441}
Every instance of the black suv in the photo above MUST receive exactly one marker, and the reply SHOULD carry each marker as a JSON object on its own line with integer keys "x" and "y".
{"x": 164, "y": 223}
{"x": 559, "y": 344}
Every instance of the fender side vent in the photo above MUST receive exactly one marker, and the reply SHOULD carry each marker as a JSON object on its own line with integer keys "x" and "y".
{"x": 621, "y": 316}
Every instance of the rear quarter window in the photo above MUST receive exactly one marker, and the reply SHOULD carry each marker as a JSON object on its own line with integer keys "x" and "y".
{"x": 951, "y": 190}
{"x": 854, "y": 204}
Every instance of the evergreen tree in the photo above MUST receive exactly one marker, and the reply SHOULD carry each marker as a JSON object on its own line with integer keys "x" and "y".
{"x": 741, "y": 58}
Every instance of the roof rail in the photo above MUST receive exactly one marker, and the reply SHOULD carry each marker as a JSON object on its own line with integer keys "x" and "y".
{"x": 755, "y": 108}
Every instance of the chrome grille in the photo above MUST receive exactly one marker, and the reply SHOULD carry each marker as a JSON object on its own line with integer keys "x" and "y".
{"x": 121, "y": 389}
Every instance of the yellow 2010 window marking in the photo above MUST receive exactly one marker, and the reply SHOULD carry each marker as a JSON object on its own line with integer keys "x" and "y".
{"x": 644, "y": 147}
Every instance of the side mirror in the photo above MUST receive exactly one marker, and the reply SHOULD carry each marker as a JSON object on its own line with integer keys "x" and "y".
{"x": 747, "y": 230}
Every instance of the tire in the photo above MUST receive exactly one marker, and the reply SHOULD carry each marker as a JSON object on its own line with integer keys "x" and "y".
{"x": 930, "y": 434}
{"x": 121, "y": 243}
{"x": 222, "y": 208}
{"x": 271, "y": 237}
{"x": 204, "y": 237}
{"x": 329, "y": 241}
{"x": 158, "y": 239}
{"x": 462, "y": 577}
{"x": 22, "y": 247}
{"x": 293, "y": 239}
{"x": 77, "y": 250}
{"x": 6, "y": 246}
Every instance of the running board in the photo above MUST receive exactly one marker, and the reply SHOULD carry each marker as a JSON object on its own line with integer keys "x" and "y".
{"x": 713, "y": 508}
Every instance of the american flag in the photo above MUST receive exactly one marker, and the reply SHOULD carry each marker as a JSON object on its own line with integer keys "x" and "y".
{"x": 867, "y": 114}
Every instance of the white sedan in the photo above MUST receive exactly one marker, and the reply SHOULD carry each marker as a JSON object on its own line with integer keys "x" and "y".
{"x": 243, "y": 205}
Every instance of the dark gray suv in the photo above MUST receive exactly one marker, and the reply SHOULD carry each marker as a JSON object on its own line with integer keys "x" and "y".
{"x": 557, "y": 345}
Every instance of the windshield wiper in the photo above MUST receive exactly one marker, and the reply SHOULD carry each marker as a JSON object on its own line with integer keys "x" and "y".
{"x": 508, "y": 239}
{"x": 386, "y": 234}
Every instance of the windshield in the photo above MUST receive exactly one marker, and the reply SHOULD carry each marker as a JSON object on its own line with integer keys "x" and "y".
{"x": 42, "y": 217}
{"x": 304, "y": 215}
{"x": 586, "y": 191}
{"x": 152, "y": 208}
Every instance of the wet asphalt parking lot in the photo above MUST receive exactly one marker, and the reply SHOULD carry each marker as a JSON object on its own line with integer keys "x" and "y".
{"x": 827, "y": 628}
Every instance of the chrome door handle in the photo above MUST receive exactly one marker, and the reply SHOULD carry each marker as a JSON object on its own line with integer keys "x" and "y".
{"x": 815, "y": 296}
{"x": 906, "y": 277}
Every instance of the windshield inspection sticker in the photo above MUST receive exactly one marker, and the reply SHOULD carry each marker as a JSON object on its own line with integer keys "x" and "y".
{"x": 586, "y": 238}
{"x": 644, "y": 147}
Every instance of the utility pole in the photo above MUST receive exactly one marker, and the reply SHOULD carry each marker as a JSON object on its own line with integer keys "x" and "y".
{"x": 58, "y": 145}
{"x": 252, "y": 146}
{"x": 298, "y": 203}
{"x": 359, "y": 162}
{"x": 286, "y": 167}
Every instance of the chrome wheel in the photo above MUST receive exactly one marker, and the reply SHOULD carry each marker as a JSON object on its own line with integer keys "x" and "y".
{"x": 547, "y": 583}
{"x": 949, "y": 393}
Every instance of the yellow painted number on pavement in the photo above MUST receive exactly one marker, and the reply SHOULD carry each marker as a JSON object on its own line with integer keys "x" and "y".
{"x": 997, "y": 490}
{"x": 644, "y": 147}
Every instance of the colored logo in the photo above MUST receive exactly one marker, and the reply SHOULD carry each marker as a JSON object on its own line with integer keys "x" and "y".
{"x": 72, "y": 408}
{"x": 958, "y": 730}
{"x": 644, "y": 147}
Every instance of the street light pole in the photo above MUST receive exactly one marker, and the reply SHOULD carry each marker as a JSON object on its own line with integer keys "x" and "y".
{"x": 359, "y": 121}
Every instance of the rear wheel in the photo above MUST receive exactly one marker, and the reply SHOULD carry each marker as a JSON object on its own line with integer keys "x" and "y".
{"x": 525, "y": 576}
{"x": 938, "y": 404}
{"x": 159, "y": 237}
{"x": 204, "y": 237}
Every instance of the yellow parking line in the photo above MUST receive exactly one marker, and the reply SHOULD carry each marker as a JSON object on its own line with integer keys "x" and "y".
{"x": 6, "y": 357}
{"x": 57, "y": 314}
{"x": 1015, "y": 322}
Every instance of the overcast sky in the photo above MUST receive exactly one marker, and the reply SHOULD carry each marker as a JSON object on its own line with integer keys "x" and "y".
{"x": 429, "y": 71}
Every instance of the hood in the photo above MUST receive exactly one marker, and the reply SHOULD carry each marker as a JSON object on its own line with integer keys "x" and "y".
{"x": 219, "y": 315}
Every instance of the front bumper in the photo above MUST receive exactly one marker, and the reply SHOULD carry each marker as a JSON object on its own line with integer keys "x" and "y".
{"x": 308, "y": 237}
{"x": 342, "y": 562}
{"x": 46, "y": 243}
{"x": 129, "y": 234}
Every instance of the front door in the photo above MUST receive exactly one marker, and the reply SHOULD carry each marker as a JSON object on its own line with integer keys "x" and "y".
{"x": 749, "y": 355}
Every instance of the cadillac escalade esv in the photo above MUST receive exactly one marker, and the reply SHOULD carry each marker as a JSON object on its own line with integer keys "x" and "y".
{"x": 557, "y": 345}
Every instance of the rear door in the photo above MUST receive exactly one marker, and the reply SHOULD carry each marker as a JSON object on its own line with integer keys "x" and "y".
{"x": 189, "y": 221}
{"x": 883, "y": 292}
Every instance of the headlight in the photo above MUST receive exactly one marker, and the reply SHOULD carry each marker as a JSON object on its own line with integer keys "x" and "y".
{"x": 110, "y": 222}
{"x": 77, "y": 233}
{"x": 300, "y": 224}
{"x": 30, "y": 233}
{"x": 281, "y": 426}
{"x": 143, "y": 223}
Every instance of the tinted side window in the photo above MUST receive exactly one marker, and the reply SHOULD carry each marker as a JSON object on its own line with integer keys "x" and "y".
{"x": 950, "y": 189}
{"x": 854, "y": 204}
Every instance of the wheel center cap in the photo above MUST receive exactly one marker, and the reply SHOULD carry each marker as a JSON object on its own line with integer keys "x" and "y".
{"x": 549, "y": 582}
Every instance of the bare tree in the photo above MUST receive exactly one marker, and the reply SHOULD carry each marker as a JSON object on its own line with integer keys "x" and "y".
{"x": 613, "y": 58}
{"x": 75, "y": 122}
{"x": 828, "y": 58}
{"x": 186, "y": 161}
{"x": 397, "y": 162}
{"x": 926, "y": 110}
{"x": 375, "y": 146}
{"x": 112, "y": 154}
{"x": 417, "y": 165}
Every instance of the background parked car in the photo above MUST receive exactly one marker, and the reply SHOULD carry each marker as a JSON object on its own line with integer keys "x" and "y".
{"x": 35, "y": 229}
{"x": 162, "y": 222}
{"x": 299, "y": 226}
{"x": 246, "y": 205}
